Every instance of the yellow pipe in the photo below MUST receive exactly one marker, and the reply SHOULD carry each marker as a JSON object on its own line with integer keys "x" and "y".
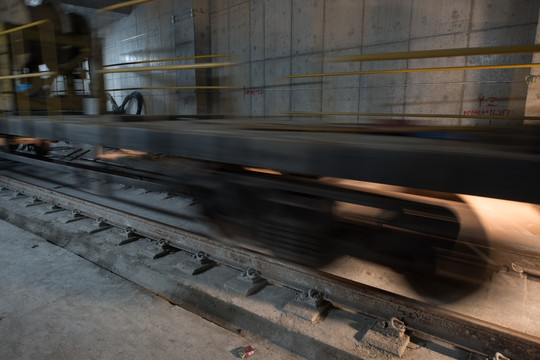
{"x": 394, "y": 71}
{"x": 124, "y": 5}
{"x": 169, "y": 67}
{"x": 172, "y": 59}
{"x": 173, "y": 88}
{"x": 447, "y": 116}
{"x": 22, "y": 27}
{"x": 422, "y": 54}
{"x": 31, "y": 75}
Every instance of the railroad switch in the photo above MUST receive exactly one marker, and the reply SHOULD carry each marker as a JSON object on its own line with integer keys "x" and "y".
{"x": 310, "y": 305}
{"x": 247, "y": 283}
{"x": 388, "y": 336}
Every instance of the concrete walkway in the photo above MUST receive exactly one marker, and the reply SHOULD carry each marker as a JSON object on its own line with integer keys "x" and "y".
{"x": 56, "y": 305}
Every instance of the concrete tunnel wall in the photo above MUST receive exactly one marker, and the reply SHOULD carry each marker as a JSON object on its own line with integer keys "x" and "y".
{"x": 162, "y": 29}
{"x": 275, "y": 38}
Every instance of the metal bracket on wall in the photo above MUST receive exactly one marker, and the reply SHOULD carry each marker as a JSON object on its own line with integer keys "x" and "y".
{"x": 188, "y": 13}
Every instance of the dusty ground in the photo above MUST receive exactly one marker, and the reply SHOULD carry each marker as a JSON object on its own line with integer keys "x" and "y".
{"x": 56, "y": 305}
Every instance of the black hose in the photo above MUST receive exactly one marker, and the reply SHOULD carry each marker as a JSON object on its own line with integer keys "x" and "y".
{"x": 122, "y": 108}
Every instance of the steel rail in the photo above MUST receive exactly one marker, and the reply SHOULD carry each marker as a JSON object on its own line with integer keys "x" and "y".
{"x": 184, "y": 183}
{"x": 461, "y": 330}
{"x": 139, "y": 179}
{"x": 143, "y": 180}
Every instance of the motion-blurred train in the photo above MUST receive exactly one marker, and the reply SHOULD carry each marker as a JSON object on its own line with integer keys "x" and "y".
{"x": 305, "y": 206}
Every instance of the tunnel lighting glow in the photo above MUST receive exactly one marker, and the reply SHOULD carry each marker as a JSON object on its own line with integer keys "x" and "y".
{"x": 504, "y": 219}
{"x": 129, "y": 58}
{"x": 264, "y": 171}
{"x": 121, "y": 153}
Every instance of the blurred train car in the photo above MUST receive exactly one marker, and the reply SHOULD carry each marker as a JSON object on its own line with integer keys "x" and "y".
{"x": 301, "y": 214}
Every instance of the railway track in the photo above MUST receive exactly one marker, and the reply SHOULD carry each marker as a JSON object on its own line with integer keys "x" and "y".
{"x": 175, "y": 257}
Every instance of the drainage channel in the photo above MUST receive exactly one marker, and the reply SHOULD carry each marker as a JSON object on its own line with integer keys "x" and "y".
{"x": 265, "y": 297}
